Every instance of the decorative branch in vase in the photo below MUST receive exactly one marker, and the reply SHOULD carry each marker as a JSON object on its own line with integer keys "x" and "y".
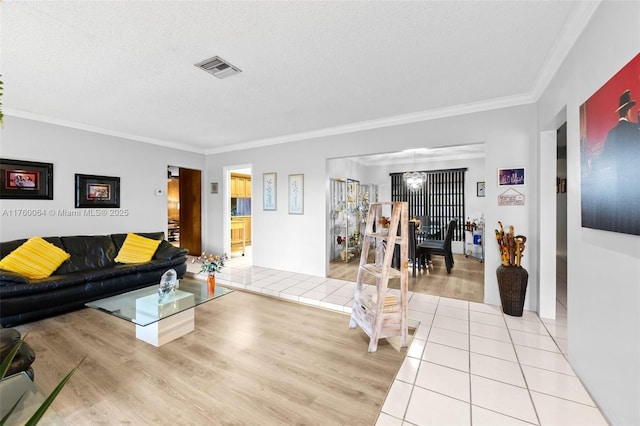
{"x": 511, "y": 246}
{"x": 512, "y": 278}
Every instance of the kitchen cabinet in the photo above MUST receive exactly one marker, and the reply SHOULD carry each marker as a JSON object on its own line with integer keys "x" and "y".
{"x": 240, "y": 186}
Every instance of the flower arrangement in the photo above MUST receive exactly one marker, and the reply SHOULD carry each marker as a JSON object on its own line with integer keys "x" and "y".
{"x": 384, "y": 221}
{"x": 210, "y": 263}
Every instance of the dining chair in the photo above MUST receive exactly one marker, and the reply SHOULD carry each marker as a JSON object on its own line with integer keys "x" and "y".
{"x": 413, "y": 251}
{"x": 428, "y": 248}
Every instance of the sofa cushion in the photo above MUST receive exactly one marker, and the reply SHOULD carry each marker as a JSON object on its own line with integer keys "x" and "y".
{"x": 167, "y": 251}
{"x": 35, "y": 259}
{"x": 118, "y": 239}
{"x": 7, "y": 247}
{"x": 52, "y": 282}
{"x": 12, "y": 278}
{"x": 117, "y": 270}
{"x": 137, "y": 249}
{"x": 88, "y": 252}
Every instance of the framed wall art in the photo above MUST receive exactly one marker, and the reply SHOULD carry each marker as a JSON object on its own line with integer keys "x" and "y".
{"x": 97, "y": 191}
{"x": 269, "y": 191}
{"x": 511, "y": 197}
{"x": 610, "y": 154}
{"x": 510, "y": 177}
{"x": 296, "y": 194}
{"x": 480, "y": 189}
{"x": 26, "y": 180}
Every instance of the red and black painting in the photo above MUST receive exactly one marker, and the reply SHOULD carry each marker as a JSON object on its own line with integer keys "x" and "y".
{"x": 610, "y": 153}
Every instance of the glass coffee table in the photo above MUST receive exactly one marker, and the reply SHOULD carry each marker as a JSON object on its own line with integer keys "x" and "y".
{"x": 157, "y": 322}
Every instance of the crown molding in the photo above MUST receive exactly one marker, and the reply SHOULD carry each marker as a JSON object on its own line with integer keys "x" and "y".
{"x": 94, "y": 129}
{"x": 397, "y": 120}
{"x": 452, "y": 111}
{"x": 578, "y": 19}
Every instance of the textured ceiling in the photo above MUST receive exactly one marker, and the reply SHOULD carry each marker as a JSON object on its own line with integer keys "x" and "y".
{"x": 308, "y": 68}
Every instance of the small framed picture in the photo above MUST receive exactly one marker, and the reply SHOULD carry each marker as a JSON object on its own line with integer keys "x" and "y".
{"x": 269, "y": 191}
{"x": 480, "y": 189}
{"x": 511, "y": 177}
{"x": 296, "y": 194}
{"x": 97, "y": 191}
{"x": 25, "y": 180}
{"x": 214, "y": 187}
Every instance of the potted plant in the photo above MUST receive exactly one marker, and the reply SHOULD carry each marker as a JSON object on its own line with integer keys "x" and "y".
{"x": 512, "y": 277}
{"x": 39, "y": 413}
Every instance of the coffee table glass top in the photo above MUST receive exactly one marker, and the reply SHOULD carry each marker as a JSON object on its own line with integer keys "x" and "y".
{"x": 142, "y": 306}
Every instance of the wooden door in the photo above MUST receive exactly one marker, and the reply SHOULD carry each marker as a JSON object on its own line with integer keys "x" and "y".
{"x": 190, "y": 211}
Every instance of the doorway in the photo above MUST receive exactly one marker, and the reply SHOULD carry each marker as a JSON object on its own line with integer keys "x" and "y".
{"x": 552, "y": 215}
{"x": 467, "y": 281}
{"x": 239, "y": 212}
{"x": 561, "y": 222}
{"x": 184, "y": 208}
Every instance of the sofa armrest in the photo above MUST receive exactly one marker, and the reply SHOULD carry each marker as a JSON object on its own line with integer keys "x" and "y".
{"x": 12, "y": 278}
{"x": 167, "y": 251}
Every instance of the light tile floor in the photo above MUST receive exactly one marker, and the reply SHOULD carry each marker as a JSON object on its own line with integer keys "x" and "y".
{"x": 468, "y": 363}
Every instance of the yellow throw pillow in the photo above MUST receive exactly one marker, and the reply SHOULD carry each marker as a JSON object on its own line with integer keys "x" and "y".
{"x": 35, "y": 259}
{"x": 137, "y": 249}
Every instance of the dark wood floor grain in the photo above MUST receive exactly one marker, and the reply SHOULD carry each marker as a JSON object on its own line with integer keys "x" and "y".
{"x": 252, "y": 360}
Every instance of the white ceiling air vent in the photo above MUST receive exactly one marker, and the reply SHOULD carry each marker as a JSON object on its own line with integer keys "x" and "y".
{"x": 218, "y": 67}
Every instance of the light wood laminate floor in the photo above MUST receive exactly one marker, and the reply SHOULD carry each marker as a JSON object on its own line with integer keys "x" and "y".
{"x": 465, "y": 282}
{"x": 252, "y": 360}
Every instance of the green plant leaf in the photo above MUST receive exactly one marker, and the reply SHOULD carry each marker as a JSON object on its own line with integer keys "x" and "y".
{"x": 4, "y": 367}
{"x": 6, "y": 362}
{"x": 47, "y": 402}
{"x": 6, "y": 416}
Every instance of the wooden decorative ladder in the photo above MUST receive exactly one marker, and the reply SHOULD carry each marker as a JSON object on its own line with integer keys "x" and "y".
{"x": 381, "y": 315}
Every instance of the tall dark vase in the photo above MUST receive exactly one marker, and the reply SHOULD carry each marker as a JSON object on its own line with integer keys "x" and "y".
{"x": 512, "y": 283}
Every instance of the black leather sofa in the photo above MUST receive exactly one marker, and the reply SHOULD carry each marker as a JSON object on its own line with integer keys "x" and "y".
{"x": 90, "y": 273}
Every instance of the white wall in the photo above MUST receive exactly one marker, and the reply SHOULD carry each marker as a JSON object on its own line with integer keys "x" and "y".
{"x": 142, "y": 169}
{"x": 603, "y": 267}
{"x": 298, "y": 242}
{"x": 343, "y": 168}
